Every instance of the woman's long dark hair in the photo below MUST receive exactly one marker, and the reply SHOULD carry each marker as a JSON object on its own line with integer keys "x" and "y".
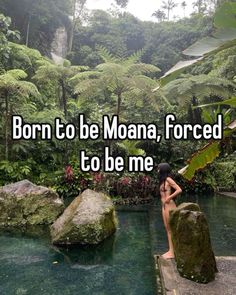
{"x": 164, "y": 172}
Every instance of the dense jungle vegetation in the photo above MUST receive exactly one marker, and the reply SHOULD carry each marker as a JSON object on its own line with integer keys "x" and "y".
{"x": 112, "y": 65}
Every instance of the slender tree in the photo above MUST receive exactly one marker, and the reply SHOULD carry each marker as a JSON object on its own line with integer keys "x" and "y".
{"x": 183, "y": 6}
{"x": 200, "y": 5}
{"x": 160, "y": 15}
{"x": 122, "y": 3}
{"x": 77, "y": 11}
{"x": 169, "y": 5}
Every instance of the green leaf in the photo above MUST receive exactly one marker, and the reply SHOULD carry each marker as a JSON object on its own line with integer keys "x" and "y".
{"x": 175, "y": 71}
{"x": 206, "y": 155}
{"x": 231, "y": 102}
{"x": 201, "y": 159}
{"x": 223, "y": 38}
{"x": 225, "y": 16}
{"x": 130, "y": 147}
{"x": 225, "y": 34}
{"x": 203, "y": 46}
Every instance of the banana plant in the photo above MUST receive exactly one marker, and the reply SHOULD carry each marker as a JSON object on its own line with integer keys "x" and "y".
{"x": 206, "y": 155}
{"x": 222, "y": 38}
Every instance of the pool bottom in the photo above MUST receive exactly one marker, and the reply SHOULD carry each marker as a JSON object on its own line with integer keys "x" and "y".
{"x": 123, "y": 264}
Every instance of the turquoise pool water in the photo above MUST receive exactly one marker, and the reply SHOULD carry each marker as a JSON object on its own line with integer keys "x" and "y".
{"x": 221, "y": 216}
{"x": 123, "y": 264}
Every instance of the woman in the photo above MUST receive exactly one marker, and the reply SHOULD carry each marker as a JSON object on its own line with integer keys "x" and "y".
{"x": 167, "y": 185}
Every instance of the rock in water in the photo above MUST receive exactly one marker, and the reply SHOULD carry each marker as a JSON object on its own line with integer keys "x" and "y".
{"x": 24, "y": 203}
{"x": 89, "y": 219}
{"x": 192, "y": 245}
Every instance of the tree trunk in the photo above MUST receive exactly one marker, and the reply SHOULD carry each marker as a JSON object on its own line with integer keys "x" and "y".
{"x": 64, "y": 100}
{"x": 28, "y": 31}
{"x": 73, "y": 26}
{"x": 6, "y": 127}
{"x": 119, "y": 99}
{"x": 196, "y": 111}
{"x": 71, "y": 40}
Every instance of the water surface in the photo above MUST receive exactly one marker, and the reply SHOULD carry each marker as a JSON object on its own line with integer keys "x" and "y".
{"x": 123, "y": 264}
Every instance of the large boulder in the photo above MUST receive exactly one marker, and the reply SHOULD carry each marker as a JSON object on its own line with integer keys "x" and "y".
{"x": 192, "y": 245}
{"x": 24, "y": 203}
{"x": 89, "y": 219}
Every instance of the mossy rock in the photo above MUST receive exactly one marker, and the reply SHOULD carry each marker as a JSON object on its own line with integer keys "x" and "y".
{"x": 24, "y": 203}
{"x": 192, "y": 245}
{"x": 89, "y": 219}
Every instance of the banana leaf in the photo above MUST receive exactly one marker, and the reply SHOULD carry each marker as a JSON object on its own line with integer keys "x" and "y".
{"x": 205, "y": 155}
{"x": 225, "y": 16}
{"x": 230, "y": 102}
{"x": 175, "y": 71}
{"x": 203, "y": 46}
{"x": 223, "y": 37}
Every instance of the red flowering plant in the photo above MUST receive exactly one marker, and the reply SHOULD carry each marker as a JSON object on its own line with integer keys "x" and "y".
{"x": 124, "y": 187}
{"x": 69, "y": 173}
{"x": 72, "y": 181}
{"x": 143, "y": 186}
{"x": 135, "y": 186}
{"x": 98, "y": 181}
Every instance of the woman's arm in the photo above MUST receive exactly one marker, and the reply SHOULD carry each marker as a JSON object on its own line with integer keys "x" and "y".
{"x": 176, "y": 187}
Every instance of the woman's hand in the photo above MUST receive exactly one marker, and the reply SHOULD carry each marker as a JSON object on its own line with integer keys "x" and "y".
{"x": 175, "y": 186}
{"x": 167, "y": 201}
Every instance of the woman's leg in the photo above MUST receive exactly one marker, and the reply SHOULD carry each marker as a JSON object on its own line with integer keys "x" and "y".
{"x": 165, "y": 213}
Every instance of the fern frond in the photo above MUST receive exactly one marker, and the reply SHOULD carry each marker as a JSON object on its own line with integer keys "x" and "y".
{"x": 142, "y": 69}
{"x": 111, "y": 68}
{"x": 106, "y": 55}
{"x": 134, "y": 58}
{"x": 16, "y": 74}
{"x": 84, "y": 86}
{"x": 27, "y": 88}
{"x": 201, "y": 86}
{"x": 85, "y": 75}
{"x": 131, "y": 147}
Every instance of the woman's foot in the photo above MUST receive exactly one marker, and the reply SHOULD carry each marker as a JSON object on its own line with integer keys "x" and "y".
{"x": 168, "y": 255}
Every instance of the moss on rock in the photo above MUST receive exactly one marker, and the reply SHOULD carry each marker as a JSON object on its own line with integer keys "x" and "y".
{"x": 191, "y": 239}
{"x": 89, "y": 219}
{"x": 24, "y": 203}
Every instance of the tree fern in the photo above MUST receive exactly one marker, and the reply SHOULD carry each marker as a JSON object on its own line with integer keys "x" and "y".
{"x": 106, "y": 55}
{"x": 61, "y": 77}
{"x": 13, "y": 89}
{"x": 115, "y": 76}
{"x": 202, "y": 86}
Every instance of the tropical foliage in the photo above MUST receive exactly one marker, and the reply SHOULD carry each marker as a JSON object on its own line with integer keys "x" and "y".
{"x": 116, "y": 64}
